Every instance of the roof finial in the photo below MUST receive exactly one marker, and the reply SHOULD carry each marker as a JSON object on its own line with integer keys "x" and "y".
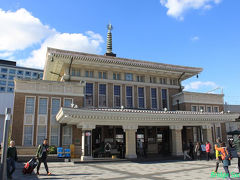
{"x": 109, "y": 41}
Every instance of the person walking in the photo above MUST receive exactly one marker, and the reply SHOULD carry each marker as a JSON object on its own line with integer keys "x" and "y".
{"x": 11, "y": 158}
{"x": 140, "y": 148}
{"x": 42, "y": 152}
{"x": 218, "y": 154}
{"x": 185, "y": 152}
{"x": 208, "y": 150}
{"x": 226, "y": 157}
{"x": 198, "y": 150}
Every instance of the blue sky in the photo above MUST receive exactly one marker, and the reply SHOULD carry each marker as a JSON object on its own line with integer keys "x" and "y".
{"x": 198, "y": 33}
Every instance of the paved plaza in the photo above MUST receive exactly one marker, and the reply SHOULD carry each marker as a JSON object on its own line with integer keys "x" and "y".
{"x": 186, "y": 170}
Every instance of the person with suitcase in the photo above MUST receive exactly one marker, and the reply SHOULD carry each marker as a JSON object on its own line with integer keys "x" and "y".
{"x": 42, "y": 152}
{"x": 11, "y": 158}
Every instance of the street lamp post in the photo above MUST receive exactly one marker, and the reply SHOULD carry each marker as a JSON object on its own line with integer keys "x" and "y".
{"x": 3, "y": 171}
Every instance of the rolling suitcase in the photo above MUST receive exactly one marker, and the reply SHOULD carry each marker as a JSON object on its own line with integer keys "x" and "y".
{"x": 30, "y": 166}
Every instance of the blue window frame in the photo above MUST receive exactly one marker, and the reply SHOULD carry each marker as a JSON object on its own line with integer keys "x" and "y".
{"x": 3, "y": 76}
{"x": 89, "y": 94}
{"x": 154, "y": 98}
{"x": 19, "y": 72}
{"x": 129, "y": 97}
{"x": 10, "y": 83}
{"x": 141, "y": 97}
{"x": 10, "y": 89}
{"x": 117, "y": 96}
{"x": 12, "y": 71}
{"x": 4, "y": 70}
{"x": 164, "y": 98}
{"x": 11, "y": 77}
{"x": 27, "y": 73}
{"x": 3, "y": 83}
{"x": 2, "y": 89}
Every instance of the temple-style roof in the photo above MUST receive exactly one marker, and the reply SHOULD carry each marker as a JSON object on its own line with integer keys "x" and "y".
{"x": 79, "y": 57}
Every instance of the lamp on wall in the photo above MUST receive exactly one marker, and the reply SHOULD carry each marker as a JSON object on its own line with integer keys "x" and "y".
{"x": 165, "y": 109}
{"x": 122, "y": 107}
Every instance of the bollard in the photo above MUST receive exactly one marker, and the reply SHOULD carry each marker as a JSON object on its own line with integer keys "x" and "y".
{"x": 3, "y": 171}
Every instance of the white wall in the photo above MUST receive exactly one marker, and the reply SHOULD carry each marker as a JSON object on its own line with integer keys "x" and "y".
{"x": 6, "y": 101}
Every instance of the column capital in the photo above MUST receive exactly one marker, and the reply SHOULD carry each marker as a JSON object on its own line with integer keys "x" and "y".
{"x": 86, "y": 126}
{"x": 207, "y": 126}
{"x": 176, "y": 127}
{"x": 130, "y": 127}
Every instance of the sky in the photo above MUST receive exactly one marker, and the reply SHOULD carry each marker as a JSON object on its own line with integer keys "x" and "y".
{"x": 196, "y": 33}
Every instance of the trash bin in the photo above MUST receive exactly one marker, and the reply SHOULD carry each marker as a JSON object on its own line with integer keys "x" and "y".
{"x": 60, "y": 152}
{"x": 67, "y": 153}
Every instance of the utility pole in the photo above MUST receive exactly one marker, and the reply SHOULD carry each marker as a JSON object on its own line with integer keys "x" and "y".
{"x": 3, "y": 171}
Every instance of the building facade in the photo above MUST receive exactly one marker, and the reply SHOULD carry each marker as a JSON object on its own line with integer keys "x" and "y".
{"x": 89, "y": 100}
{"x": 8, "y": 71}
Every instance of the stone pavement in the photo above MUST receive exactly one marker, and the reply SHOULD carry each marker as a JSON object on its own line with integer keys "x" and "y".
{"x": 186, "y": 170}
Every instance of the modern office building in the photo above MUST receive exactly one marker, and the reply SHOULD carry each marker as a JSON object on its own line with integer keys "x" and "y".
{"x": 88, "y": 100}
{"x": 8, "y": 71}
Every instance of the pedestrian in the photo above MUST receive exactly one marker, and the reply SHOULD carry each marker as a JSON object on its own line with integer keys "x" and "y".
{"x": 198, "y": 150}
{"x": 191, "y": 147}
{"x": 236, "y": 142}
{"x": 140, "y": 148}
{"x": 185, "y": 152}
{"x": 218, "y": 154}
{"x": 208, "y": 150}
{"x": 226, "y": 157}
{"x": 11, "y": 158}
{"x": 42, "y": 152}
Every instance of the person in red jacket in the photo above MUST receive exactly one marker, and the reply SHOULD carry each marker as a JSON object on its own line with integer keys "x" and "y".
{"x": 208, "y": 150}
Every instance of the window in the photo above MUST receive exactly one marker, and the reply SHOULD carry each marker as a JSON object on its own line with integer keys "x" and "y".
{"x": 42, "y": 132}
{"x": 41, "y": 75}
{"x": 102, "y": 75}
{"x": 54, "y": 125}
{"x": 140, "y": 78}
{"x": 163, "y": 81}
{"x": 28, "y": 134}
{"x": 89, "y": 73}
{"x": 42, "y": 107}
{"x": 218, "y": 132}
{"x": 89, "y": 94}
{"x": 4, "y": 70}
{"x": 19, "y": 72}
{"x": 201, "y": 108}
{"x": 34, "y": 74}
{"x": 164, "y": 99}
{"x": 11, "y": 77}
{"x": 67, "y": 102}
{"x": 9, "y": 89}
{"x": 153, "y": 80}
{"x": 67, "y": 135}
{"x": 128, "y": 76}
{"x": 10, "y": 83}
{"x": 173, "y": 82}
{"x": 216, "y": 109}
{"x": 141, "y": 97}
{"x": 3, "y": 83}
{"x": 194, "y": 108}
{"x": 27, "y": 73}
{"x": 2, "y": 89}
{"x": 102, "y": 95}
{"x": 30, "y": 105}
{"x": 129, "y": 97}
{"x": 116, "y": 76}
{"x": 12, "y": 71}
{"x": 75, "y": 72}
{"x": 209, "y": 109}
{"x": 117, "y": 96}
{"x": 3, "y": 76}
{"x": 154, "y": 98}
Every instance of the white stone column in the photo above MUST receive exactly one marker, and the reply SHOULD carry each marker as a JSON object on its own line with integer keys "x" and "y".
{"x": 176, "y": 131}
{"x": 207, "y": 133}
{"x": 87, "y": 141}
{"x": 130, "y": 134}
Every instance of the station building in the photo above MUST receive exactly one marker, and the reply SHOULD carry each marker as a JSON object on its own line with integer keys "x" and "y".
{"x": 88, "y": 99}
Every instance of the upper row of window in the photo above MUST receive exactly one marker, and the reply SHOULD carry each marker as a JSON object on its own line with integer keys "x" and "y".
{"x": 127, "y": 77}
{"x": 21, "y": 72}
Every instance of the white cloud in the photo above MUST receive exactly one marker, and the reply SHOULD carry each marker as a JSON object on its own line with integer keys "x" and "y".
{"x": 195, "y": 38}
{"x": 198, "y": 85}
{"x": 22, "y": 30}
{"x": 177, "y": 8}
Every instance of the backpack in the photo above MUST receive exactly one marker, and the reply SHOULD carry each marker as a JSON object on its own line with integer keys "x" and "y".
{"x": 228, "y": 155}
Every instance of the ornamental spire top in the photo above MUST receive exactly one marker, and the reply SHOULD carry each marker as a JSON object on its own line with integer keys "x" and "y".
{"x": 109, "y": 41}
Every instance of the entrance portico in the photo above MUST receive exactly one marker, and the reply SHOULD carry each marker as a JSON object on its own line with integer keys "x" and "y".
{"x": 130, "y": 120}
